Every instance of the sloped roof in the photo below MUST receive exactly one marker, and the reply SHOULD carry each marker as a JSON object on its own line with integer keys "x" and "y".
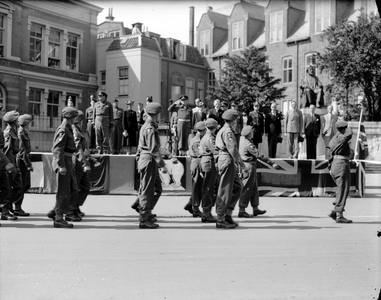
{"x": 254, "y": 11}
{"x": 224, "y": 50}
{"x": 130, "y": 42}
{"x": 301, "y": 34}
{"x": 260, "y": 42}
{"x": 220, "y": 20}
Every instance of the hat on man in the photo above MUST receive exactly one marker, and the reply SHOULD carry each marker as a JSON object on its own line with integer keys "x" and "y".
{"x": 230, "y": 115}
{"x": 102, "y": 94}
{"x": 129, "y": 102}
{"x": 200, "y": 126}
{"x": 80, "y": 117}
{"x": 25, "y": 119}
{"x": 246, "y": 130}
{"x": 69, "y": 112}
{"x": 149, "y": 99}
{"x": 116, "y": 100}
{"x": 11, "y": 116}
{"x": 341, "y": 124}
{"x": 183, "y": 97}
{"x": 153, "y": 108}
{"x": 211, "y": 123}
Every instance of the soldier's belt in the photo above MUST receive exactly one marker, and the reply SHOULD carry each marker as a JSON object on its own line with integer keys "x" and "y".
{"x": 341, "y": 157}
{"x": 184, "y": 120}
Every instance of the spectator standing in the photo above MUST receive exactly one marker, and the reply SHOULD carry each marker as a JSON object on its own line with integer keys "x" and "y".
{"x": 273, "y": 129}
{"x": 89, "y": 115}
{"x": 258, "y": 124}
{"x": 294, "y": 128}
{"x": 328, "y": 129}
{"x": 130, "y": 127}
{"x": 311, "y": 131}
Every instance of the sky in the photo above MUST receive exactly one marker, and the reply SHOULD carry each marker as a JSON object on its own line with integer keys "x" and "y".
{"x": 167, "y": 18}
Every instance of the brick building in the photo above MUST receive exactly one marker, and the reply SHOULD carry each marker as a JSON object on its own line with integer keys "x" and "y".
{"x": 286, "y": 31}
{"x": 47, "y": 54}
{"x": 136, "y": 63}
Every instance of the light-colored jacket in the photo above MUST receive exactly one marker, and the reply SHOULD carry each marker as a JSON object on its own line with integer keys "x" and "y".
{"x": 294, "y": 121}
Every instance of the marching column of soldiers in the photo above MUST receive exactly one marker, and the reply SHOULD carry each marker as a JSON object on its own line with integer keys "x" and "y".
{"x": 223, "y": 170}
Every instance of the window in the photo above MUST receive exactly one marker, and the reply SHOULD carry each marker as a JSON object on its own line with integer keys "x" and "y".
{"x": 287, "y": 70}
{"x": 123, "y": 81}
{"x": 54, "y": 60}
{"x": 189, "y": 88}
{"x": 100, "y": 36}
{"x": 2, "y": 35}
{"x": 35, "y": 46}
{"x": 34, "y": 103}
{"x": 204, "y": 42}
{"x": 53, "y": 105}
{"x": 200, "y": 89}
{"x": 175, "y": 91}
{"x": 114, "y": 33}
{"x": 237, "y": 35}
{"x": 103, "y": 80}
{"x": 211, "y": 78}
{"x": 310, "y": 61}
{"x": 276, "y": 27}
{"x": 183, "y": 55}
{"x": 322, "y": 15}
{"x": 72, "y": 52}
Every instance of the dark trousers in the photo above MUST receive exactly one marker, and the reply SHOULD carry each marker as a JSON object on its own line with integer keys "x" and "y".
{"x": 91, "y": 133}
{"x": 230, "y": 186}
{"x": 272, "y": 140}
{"x": 150, "y": 185}
{"x": 209, "y": 170}
{"x": 66, "y": 186}
{"x": 197, "y": 183}
{"x": 250, "y": 188}
{"x": 311, "y": 141}
{"x": 4, "y": 186}
{"x": 25, "y": 178}
{"x": 341, "y": 173}
{"x": 84, "y": 185}
{"x": 116, "y": 137}
{"x": 102, "y": 132}
{"x": 16, "y": 189}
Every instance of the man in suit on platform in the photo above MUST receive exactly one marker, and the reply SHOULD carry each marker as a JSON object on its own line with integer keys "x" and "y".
{"x": 198, "y": 114}
{"x": 294, "y": 128}
{"x": 273, "y": 129}
{"x": 130, "y": 127}
{"x": 311, "y": 131}
{"x": 328, "y": 129}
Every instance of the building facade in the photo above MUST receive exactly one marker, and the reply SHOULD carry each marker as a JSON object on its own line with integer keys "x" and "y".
{"x": 288, "y": 33}
{"x": 47, "y": 54}
{"x": 139, "y": 63}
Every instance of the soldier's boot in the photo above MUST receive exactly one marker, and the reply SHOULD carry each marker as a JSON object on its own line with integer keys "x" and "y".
{"x": 188, "y": 207}
{"x": 243, "y": 214}
{"x": 341, "y": 219}
{"x": 136, "y": 205}
{"x": 332, "y": 215}
{"x": 197, "y": 212}
{"x": 207, "y": 217}
{"x": 229, "y": 219}
{"x": 221, "y": 223}
{"x": 59, "y": 222}
{"x": 146, "y": 223}
{"x": 71, "y": 216}
{"x": 51, "y": 214}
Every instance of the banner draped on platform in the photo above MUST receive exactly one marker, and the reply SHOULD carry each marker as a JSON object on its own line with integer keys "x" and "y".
{"x": 117, "y": 174}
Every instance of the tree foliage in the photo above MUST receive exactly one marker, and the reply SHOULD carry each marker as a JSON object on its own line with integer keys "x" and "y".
{"x": 247, "y": 80}
{"x": 353, "y": 58}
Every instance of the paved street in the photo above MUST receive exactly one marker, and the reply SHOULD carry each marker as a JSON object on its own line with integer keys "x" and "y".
{"x": 293, "y": 252}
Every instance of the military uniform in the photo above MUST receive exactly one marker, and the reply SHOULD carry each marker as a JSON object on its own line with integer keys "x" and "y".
{"x": 63, "y": 150}
{"x": 149, "y": 161}
{"x": 249, "y": 154}
{"x": 4, "y": 182}
{"x": 23, "y": 161}
{"x": 197, "y": 180}
{"x": 117, "y": 131}
{"x": 89, "y": 114}
{"x": 11, "y": 148}
{"x": 103, "y": 120}
{"x": 340, "y": 169}
{"x": 230, "y": 184}
{"x": 208, "y": 155}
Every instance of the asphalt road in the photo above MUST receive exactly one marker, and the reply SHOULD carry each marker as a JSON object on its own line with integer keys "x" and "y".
{"x": 293, "y": 252}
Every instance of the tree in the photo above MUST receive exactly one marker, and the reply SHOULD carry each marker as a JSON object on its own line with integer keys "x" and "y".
{"x": 247, "y": 79}
{"x": 353, "y": 58}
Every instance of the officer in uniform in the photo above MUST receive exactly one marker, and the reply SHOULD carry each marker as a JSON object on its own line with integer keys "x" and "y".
{"x": 130, "y": 127}
{"x": 11, "y": 148}
{"x": 149, "y": 161}
{"x": 208, "y": 154}
{"x": 103, "y": 120}
{"x": 250, "y": 154}
{"x": 23, "y": 161}
{"x": 90, "y": 124}
{"x": 340, "y": 168}
{"x": 63, "y": 150}
{"x": 81, "y": 169}
{"x": 5, "y": 168}
{"x": 197, "y": 180}
{"x": 117, "y": 129}
{"x": 230, "y": 185}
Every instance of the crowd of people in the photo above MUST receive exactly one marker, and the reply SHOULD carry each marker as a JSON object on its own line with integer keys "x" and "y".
{"x": 222, "y": 144}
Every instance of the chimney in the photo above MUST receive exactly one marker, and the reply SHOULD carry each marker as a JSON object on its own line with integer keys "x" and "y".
{"x": 210, "y": 8}
{"x": 191, "y": 26}
{"x": 110, "y": 17}
{"x": 138, "y": 25}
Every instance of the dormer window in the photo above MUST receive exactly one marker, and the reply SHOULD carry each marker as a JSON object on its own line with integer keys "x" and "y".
{"x": 322, "y": 15}
{"x": 276, "y": 27}
{"x": 115, "y": 33}
{"x": 237, "y": 35}
{"x": 204, "y": 42}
